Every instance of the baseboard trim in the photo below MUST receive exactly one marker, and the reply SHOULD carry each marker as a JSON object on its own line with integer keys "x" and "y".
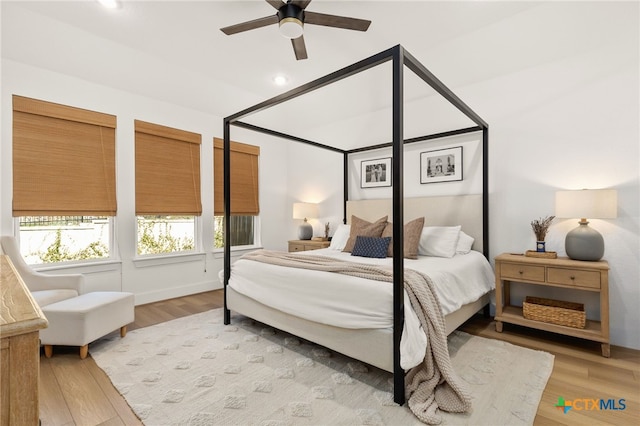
{"x": 172, "y": 293}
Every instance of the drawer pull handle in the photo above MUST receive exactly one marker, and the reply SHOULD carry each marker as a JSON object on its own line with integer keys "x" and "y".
{"x": 572, "y": 277}
{"x": 521, "y": 272}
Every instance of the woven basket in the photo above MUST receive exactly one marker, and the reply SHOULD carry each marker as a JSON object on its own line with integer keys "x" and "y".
{"x": 554, "y": 311}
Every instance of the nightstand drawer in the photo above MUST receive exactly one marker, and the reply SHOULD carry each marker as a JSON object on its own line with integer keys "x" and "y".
{"x": 306, "y": 245}
{"x": 296, "y": 247}
{"x": 522, "y": 272}
{"x": 579, "y": 278}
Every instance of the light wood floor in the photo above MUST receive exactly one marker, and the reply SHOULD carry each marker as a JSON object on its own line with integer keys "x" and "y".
{"x": 77, "y": 392}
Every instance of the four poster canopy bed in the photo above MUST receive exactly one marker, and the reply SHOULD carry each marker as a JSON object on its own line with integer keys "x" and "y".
{"x": 358, "y": 315}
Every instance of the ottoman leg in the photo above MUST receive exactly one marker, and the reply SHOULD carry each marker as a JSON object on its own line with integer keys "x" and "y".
{"x": 123, "y": 331}
{"x": 48, "y": 351}
{"x": 84, "y": 350}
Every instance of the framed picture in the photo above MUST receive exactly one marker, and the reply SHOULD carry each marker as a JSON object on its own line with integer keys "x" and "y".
{"x": 442, "y": 165}
{"x": 375, "y": 173}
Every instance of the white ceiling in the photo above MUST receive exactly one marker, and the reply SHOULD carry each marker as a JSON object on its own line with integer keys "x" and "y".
{"x": 174, "y": 50}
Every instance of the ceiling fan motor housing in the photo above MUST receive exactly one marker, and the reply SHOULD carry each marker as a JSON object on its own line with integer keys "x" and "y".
{"x": 289, "y": 12}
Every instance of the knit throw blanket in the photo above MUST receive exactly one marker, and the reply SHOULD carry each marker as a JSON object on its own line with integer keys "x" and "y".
{"x": 430, "y": 386}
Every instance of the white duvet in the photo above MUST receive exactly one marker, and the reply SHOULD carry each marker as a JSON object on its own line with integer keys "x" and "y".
{"x": 351, "y": 302}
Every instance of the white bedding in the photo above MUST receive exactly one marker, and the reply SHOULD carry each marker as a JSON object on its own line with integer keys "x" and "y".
{"x": 352, "y": 302}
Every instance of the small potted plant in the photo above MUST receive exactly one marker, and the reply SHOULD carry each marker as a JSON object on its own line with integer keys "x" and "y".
{"x": 540, "y": 228}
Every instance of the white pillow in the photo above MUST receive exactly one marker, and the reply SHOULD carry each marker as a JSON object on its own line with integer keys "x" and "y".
{"x": 464, "y": 243}
{"x": 340, "y": 237}
{"x": 440, "y": 241}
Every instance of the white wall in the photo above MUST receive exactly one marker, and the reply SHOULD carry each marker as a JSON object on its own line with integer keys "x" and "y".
{"x": 315, "y": 176}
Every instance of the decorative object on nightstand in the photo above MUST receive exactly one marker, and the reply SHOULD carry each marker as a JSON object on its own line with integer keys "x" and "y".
{"x": 584, "y": 242}
{"x": 305, "y": 211}
{"x": 540, "y": 228}
{"x": 326, "y": 234}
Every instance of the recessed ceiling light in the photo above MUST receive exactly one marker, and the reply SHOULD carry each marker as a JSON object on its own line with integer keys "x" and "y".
{"x": 280, "y": 80}
{"x": 109, "y": 4}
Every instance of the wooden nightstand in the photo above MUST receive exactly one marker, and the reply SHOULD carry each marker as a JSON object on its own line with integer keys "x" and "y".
{"x": 304, "y": 245}
{"x": 561, "y": 272}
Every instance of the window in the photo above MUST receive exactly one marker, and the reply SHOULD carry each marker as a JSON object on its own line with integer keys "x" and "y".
{"x": 244, "y": 193}
{"x": 242, "y": 231}
{"x": 51, "y": 239}
{"x": 63, "y": 181}
{"x": 167, "y": 188}
{"x": 165, "y": 234}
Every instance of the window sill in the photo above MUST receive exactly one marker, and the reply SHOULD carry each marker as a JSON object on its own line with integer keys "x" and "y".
{"x": 167, "y": 259}
{"x": 81, "y": 267}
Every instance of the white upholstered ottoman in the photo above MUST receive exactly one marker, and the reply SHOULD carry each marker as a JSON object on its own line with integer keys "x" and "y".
{"x": 81, "y": 320}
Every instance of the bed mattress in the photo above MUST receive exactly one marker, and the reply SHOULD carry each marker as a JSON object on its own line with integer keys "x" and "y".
{"x": 351, "y": 302}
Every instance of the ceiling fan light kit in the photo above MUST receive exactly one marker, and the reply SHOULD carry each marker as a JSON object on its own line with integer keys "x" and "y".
{"x": 291, "y": 18}
{"x": 291, "y": 28}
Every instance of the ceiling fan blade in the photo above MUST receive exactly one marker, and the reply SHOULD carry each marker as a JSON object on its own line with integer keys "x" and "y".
{"x": 299, "y": 48}
{"x": 336, "y": 21}
{"x": 250, "y": 25}
{"x": 275, "y": 3}
{"x": 301, "y": 3}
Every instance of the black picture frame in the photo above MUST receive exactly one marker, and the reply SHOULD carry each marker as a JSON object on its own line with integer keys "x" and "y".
{"x": 375, "y": 173}
{"x": 441, "y": 165}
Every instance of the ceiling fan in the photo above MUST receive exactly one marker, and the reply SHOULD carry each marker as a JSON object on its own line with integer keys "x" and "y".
{"x": 291, "y": 18}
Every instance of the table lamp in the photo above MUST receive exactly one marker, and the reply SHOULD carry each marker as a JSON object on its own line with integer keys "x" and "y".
{"x": 584, "y": 242}
{"x": 305, "y": 211}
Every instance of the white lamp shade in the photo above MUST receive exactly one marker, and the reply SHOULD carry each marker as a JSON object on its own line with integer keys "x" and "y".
{"x": 291, "y": 27}
{"x": 587, "y": 203}
{"x": 305, "y": 210}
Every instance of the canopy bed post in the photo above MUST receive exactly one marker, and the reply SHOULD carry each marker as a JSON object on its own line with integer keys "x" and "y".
{"x": 397, "y": 183}
{"x": 227, "y": 215}
{"x": 345, "y": 189}
{"x": 485, "y": 191}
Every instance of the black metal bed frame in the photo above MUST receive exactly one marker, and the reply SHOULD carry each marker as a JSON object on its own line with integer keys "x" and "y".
{"x": 400, "y": 58}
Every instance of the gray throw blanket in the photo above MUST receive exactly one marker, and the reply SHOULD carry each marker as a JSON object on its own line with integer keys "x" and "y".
{"x": 429, "y": 386}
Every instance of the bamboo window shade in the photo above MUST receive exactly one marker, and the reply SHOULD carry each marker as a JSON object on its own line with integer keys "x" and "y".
{"x": 244, "y": 178}
{"x": 167, "y": 171}
{"x": 63, "y": 160}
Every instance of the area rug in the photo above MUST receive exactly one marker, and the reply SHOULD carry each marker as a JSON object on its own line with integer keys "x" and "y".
{"x": 197, "y": 371}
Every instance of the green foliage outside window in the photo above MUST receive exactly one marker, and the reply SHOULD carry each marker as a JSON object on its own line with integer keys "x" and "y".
{"x": 58, "y": 252}
{"x": 218, "y": 232}
{"x": 155, "y": 238}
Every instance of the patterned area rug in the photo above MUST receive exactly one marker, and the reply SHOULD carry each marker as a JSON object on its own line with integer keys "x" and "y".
{"x": 197, "y": 371}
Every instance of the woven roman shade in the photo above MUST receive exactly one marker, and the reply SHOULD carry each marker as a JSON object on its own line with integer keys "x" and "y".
{"x": 244, "y": 178}
{"x": 167, "y": 171}
{"x": 63, "y": 160}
